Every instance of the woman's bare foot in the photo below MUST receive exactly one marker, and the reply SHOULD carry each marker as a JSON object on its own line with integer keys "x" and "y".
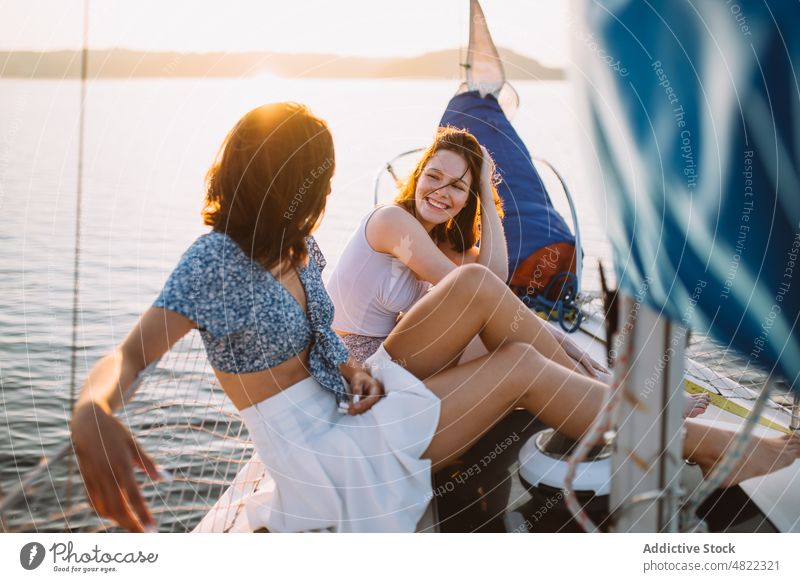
{"x": 763, "y": 455}
{"x": 695, "y": 404}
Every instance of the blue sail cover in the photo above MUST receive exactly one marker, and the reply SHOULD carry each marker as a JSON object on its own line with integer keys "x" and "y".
{"x": 694, "y": 109}
{"x": 530, "y": 221}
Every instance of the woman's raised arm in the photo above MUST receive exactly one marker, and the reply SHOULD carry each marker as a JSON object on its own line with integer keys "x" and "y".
{"x": 105, "y": 449}
{"x": 493, "y": 253}
{"x": 493, "y": 250}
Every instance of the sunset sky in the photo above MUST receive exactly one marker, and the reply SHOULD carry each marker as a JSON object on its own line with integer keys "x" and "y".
{"x": 536, "y": 28}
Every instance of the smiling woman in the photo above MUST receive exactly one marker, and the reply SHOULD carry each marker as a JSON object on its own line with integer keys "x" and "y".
{"x": 401, "y": 249}
{"x": 444, "y": 190}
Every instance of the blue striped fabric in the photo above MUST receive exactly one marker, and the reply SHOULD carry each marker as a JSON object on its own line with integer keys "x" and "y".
{"x": 694, "y": 109}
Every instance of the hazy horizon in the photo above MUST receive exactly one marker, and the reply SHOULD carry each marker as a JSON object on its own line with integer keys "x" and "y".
{"x": 127, "y": 63}
{"x": 349, "y": 28}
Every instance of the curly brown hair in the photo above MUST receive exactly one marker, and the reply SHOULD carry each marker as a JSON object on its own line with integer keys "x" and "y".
{"x": 463, "y": 230}
{"x": 268, "y": 185}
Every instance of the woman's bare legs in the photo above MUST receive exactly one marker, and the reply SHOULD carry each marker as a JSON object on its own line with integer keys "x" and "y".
{"x": 476, "y": 302}
{"x": 705, "y": 445}
{"x": 472, "y": 301}
{"x": 476, "y": 395}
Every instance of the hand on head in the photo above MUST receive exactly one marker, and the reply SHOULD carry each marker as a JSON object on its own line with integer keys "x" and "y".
{"x": 487, "y": 172}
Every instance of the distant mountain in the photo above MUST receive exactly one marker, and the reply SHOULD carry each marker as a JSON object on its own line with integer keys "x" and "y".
{"x": 121, "y": 63}
{"x": 445, "y": 64}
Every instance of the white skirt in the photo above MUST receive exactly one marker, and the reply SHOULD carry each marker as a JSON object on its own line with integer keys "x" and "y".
{"x": 343, "y": 473}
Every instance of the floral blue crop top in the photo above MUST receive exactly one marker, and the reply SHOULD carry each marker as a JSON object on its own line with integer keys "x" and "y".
{"x": 249, "y": 321}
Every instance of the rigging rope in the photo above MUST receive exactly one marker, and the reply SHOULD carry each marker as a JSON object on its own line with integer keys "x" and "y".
{"x": 77, "y": 252}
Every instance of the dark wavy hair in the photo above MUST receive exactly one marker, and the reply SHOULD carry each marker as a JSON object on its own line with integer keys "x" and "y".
{"x": 269, "y": 183}
{"x": 463, "y": 230}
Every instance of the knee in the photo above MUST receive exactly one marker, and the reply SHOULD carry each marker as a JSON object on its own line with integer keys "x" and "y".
{"x": 522, "y": 363}
{"x": 472, "y": 280}
{"x": 521, "y": 355}
{"x": 521, "y": 351}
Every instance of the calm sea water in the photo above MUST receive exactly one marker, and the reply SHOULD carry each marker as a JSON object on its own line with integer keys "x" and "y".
{"x": 148, "y": 144}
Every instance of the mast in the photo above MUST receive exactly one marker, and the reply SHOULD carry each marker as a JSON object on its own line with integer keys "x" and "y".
{"x": 646, "y": 459}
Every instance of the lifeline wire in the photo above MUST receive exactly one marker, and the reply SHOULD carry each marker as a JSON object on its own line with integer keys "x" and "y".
{"x": 78, "y": 211}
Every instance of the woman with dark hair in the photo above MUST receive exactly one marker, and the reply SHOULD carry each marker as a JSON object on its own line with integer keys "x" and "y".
{"x": 253, "y": 289}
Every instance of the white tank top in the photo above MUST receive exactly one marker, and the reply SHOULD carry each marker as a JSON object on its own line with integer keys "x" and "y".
{"x": 369, "y": 289}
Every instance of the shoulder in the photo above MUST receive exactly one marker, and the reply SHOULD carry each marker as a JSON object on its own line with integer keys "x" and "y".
{"x": 391, "y": 214}
{"x": 389, "y": 224}
{"x": 201, "y": 270}
{"x": 206, "y": 257}
{"x": 211, "y": 246}
{"x": 209, "y": 283}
